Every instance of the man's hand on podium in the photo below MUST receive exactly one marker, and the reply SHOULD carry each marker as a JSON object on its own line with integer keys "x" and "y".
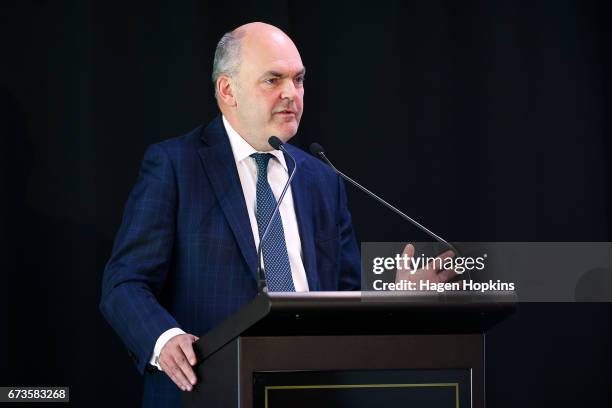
{"x": 176, "y": 359}
{"x": 431, "y": 272}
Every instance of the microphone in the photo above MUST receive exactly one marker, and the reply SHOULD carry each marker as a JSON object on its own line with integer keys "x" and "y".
{"x": 277, "y": 144}
{"x": 317, "y": 150}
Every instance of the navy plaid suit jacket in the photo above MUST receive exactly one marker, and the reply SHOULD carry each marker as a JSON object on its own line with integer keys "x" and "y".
{"x": 185, "y": 257}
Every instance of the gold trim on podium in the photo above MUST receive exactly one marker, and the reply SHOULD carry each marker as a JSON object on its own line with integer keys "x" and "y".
{"x": 301, "y": 387}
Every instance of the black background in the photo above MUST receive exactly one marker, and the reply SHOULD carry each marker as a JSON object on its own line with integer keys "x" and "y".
{"x": 487, "y": 121}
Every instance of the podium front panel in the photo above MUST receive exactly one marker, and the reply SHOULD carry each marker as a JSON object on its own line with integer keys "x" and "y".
{"x": 356, "y": 371}
{"x": 363, "y": 388}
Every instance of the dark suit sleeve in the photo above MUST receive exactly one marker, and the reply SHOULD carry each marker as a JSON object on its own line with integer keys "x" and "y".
{"x": 138, "y": 267}
{"x": 350, "y": 261}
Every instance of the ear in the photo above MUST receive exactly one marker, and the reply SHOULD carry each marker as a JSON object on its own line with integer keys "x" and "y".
{"x": 225, "y": 90}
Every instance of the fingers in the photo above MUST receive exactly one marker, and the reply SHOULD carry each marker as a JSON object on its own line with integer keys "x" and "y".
{"x": 434, "y": 270}
{"x": 435, "y": 264}
{"x": 177, "y": 376}
{"x": 188, "y": 356}
{"x": 408, "y": 251}
{"x": 176, "y": 360}
{"x": 438, "y": 263}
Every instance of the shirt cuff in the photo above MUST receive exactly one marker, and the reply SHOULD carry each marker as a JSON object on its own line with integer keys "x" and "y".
{"x": 161, "y": 342}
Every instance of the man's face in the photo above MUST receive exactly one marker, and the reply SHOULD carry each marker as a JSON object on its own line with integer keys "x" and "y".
{"x": 269, "y": 88}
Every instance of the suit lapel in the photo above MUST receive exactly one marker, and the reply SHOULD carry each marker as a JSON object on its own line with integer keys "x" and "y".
{"x": 302, "y": 201}
{"x": 220, "y": 166}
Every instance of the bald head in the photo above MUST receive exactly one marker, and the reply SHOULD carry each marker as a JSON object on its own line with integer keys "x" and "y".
{"x": 249, "y": 38}
{"x": 262, "y": 37}
{"x": 258, "y": 77}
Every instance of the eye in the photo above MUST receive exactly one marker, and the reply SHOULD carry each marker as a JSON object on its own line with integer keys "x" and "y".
{"x": 299, "y": 79}
{"x": 271, "y": 81}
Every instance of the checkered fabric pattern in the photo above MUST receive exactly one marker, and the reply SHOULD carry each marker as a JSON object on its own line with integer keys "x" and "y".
{"x": 185, "y": 256}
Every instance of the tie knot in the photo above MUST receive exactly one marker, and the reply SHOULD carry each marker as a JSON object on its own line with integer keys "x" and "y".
{"x": 262, "y": 159}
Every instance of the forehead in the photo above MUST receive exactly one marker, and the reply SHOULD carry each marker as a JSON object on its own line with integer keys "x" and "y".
{"x": 272, "y": 52}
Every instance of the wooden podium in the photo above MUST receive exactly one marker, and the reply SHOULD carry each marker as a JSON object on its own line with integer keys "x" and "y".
{"x": 349, "y": 349}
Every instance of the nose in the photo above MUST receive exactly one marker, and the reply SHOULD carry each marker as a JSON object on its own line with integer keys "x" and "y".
{"x": 288, "y": 90}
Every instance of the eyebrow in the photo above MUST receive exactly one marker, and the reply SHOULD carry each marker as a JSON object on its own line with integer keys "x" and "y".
{"x": 279, "y": 75}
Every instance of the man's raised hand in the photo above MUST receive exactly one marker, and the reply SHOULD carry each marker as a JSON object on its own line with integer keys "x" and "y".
{"x": 431, "y": 272}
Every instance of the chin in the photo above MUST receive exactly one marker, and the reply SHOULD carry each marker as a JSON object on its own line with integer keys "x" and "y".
{"x": 287, "y": 131}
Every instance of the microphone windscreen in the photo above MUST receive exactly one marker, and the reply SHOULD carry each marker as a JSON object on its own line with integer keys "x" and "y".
{"x": 275, "y": 142}
{"x": 316, "y": 149}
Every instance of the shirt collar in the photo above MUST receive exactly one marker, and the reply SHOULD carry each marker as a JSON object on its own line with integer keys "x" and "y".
{"x": 242, "y": 149}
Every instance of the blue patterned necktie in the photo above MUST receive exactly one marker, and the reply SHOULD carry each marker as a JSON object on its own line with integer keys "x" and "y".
{"x": 274, "y": 247}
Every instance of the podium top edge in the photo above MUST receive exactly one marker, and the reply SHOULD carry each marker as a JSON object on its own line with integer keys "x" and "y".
{"x": 289, "y": 306}
{"x": 398, "y": 297}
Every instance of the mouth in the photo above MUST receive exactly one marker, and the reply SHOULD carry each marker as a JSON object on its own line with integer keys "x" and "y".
{"x": 285, "y": 112}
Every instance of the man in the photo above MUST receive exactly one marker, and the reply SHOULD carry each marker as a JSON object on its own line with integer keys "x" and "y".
{"x": 185, "y": 255}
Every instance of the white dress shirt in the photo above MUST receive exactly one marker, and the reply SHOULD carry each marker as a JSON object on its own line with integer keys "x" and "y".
{"x": 277, "y": 177}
